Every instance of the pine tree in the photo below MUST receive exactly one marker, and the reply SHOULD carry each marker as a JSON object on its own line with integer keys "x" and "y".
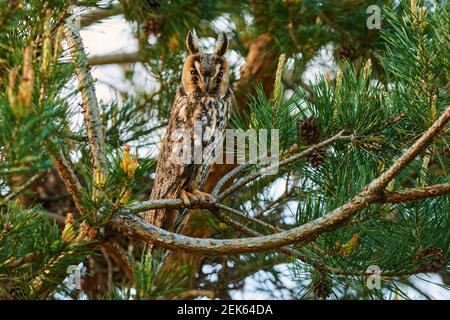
{"x": 364, "y": 151}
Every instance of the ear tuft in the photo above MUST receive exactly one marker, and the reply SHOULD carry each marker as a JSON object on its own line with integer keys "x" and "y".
{"x": 222, "y": 44}
{"x": 192, "y": 42}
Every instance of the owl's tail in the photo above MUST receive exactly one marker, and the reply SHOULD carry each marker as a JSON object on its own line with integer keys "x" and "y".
{"x": 162, "y": 218}
{"x": 169, "y": 219}
{"x": 180, "y": 220}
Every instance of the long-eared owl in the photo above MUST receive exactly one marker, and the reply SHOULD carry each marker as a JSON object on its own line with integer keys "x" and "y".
{"x": 196, "y": 127}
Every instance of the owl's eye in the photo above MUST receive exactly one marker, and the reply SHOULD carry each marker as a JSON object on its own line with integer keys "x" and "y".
{"x": 193, "y": 72}
{"x": 220, "y": 74}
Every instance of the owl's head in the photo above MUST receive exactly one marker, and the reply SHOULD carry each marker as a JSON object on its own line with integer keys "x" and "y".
{"x": 203, "y": 72}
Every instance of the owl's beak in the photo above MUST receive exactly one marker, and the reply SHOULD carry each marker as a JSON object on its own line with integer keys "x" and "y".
{"x": 206, "y": 79}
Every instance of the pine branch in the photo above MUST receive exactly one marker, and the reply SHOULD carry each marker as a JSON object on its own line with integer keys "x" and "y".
{"x": 246, "y": 230}
{"x": 383, "y": 180}
{"x": 258, "y": 174}
{"x": 83, "y": 241}
{"x": 388, "y": 197}
{"x": 134, "y": 226}
{"x": 275, "y": 203}
{"x": 92, "y": 118}
{"x": 66, "y": 173}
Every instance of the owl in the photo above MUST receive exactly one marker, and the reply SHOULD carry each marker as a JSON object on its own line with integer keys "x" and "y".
{"x": 196, "y": 127}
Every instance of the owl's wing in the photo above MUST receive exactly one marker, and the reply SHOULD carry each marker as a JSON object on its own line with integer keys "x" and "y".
{"x": 171, "y": 172}
{"x": 215, "y": 139}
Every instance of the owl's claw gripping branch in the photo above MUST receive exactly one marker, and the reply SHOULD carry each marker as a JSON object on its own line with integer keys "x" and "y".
{"x": 203, "y": 196}
{"x": 195, "y": 196}
{"x": 185, "y": 198}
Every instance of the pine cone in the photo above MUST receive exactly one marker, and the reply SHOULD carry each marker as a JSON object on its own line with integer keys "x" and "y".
{"x": 317, "y": 159}
{"x": 307, "y": 131}
{"x": 431, "y": 264}
{"x": 446, "y": 152}
{"x": 154, "y": 5}
{"x": 154, "y": 24}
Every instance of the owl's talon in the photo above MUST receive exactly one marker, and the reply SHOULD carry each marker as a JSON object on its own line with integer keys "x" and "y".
{"x": 192, "y": 197}
{"x": 184, "y": 196}
{"x": 203, "y": 196}
{"x": 195, "y": 196}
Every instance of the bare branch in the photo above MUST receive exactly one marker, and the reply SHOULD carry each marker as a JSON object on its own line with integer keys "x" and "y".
{"x": 275, "y": 203}
{"x": 19, "y": 190}
{"x": 118, "y": 58}
{"x": 415, "y": 193}
{"x": 246, "y": 230}
{"x": 191, "y": 294}
{"x": 32, "y": 256}
{"x": 56, "y": 217}
{"x": 98, "y": 14}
